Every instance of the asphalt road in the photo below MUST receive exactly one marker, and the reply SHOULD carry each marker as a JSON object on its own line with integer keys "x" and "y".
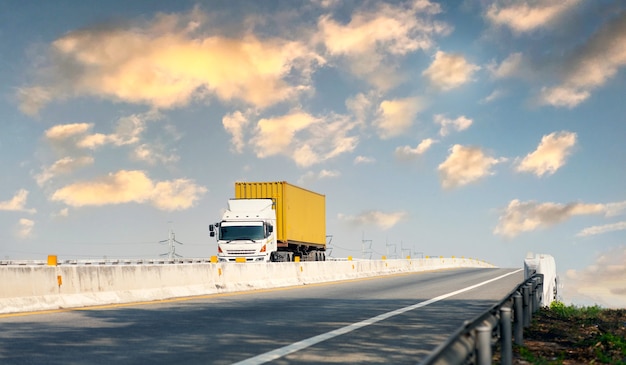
{"x": 387, "y": 320}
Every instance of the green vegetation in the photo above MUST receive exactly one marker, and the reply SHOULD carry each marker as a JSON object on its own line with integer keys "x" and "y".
{"x": 565, "y": 334}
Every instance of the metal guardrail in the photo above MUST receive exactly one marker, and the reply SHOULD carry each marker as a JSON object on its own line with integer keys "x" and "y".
{"x": 95, "y": 262}
{"x": 499, "y": 326}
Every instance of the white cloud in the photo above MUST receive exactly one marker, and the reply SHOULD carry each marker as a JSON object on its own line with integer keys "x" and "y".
{"x": 397, "y": 116}
{"x": 459, "y": 124}
{"x": 524, "y": 16}
{"x": 17, "y": 203}
{"x": 360, "y": 106}
{"x": 563, "y": 96}
{"x": 496, "y": 94}
{"x": 374, "y": 218}
{"x": 25, "y": 228}
{"x": 131, "y": 187}
{"x": 65, "y": 131}
{"x": 590, "y": 66}
{"x": 306, "y": 139}
{"x": 606, "y": 228}
{"x": 449, "y": 71}
{"x": 235, "y": 124}
{"x": 511, "y": 66}
{"x": 550, "y": 155}
{"x": 127, "y": 131}
{"x": 374, "y": 38}
{"x": 311, "y": 176}
{"x": 153, "y": 154}
{"x": 65, "y": 165}
{"x": 465, "y": 165}
{"x": 363, "y": 160}
{"x": 167, "y": 62}
{"x": 519, "y": 217}
{"x": 602, "y": 283}
{"x": 408, "y": 152}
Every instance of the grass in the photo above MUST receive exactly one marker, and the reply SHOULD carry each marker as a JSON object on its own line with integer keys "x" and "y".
{"x": 567, "y": 334}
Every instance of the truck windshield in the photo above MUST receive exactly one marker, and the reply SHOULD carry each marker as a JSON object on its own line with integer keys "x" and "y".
{"x": 233, "y": 233}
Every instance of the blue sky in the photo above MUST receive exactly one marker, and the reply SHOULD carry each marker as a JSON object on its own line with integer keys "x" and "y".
{"x": 484, "y": 129}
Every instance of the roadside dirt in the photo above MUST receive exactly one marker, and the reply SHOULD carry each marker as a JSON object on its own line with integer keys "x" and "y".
{"x": 585, "y": 337}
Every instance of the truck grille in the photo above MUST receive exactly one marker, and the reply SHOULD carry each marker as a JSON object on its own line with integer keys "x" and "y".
{"x": 240, "y": 252}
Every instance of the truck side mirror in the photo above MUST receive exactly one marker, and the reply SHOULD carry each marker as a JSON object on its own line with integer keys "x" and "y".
{"x": 211, "y": 234}
{"x": 211, "y": 228}
{"x": 270, "y": 229}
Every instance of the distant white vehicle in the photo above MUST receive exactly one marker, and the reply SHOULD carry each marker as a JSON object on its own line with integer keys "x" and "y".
{"x": 543, "y": 264}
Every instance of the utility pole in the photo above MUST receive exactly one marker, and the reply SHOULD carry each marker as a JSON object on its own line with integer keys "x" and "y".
{"x": 365, "y": 242}
{"x": 171, "y": 240}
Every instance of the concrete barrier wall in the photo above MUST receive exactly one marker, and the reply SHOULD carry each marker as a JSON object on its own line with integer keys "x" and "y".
{"x": 33, "y": 288}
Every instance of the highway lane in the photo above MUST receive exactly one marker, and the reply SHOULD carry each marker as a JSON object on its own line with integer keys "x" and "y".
{"x": 390, "y": 319}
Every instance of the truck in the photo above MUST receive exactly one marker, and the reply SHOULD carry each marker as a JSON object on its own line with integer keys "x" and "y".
{"x": 272, "y": 222}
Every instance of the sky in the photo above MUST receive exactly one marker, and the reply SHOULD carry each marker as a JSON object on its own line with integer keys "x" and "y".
{"x": 487, "y": 129}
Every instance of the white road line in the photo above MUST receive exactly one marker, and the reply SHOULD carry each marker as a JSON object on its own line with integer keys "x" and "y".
{"x": 301, "y": 345}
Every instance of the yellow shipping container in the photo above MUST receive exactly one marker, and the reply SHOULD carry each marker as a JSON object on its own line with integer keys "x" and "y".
{"x": 300, "y": 213}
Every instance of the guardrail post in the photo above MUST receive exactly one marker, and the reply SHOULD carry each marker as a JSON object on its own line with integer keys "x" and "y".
{"x": 526, "y": 304}
{"x": 505, "y": 336}
{"x": 536, "y": 296}
{"x": 519, "y": 319}
{"x": 531, "y": 299}
{"x": 483, "y": 345}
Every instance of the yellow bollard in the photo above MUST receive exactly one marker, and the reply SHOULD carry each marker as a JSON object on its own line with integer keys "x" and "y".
{"x": 296, "y": 259}
{"x": 214, "y": 259}
{"x": 59, "y": 280}
{"x": 384, "y": 257}
{"x": 349, "y": 258}
{"x": 52, "y": 260}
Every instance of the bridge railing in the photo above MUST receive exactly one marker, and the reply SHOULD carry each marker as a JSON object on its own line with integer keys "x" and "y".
{"x": 500, "y": 326}
{"x": 107, "y": 261}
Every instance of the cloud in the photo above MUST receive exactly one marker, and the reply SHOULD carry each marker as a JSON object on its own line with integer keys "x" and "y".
{"x": 590, "y": 66}
{"x": 235, "y": 124}
{"x": 363, "y": 160}
{"x": 602, "y": 283}
{"x": 563, "y": 96}
{"x": 525, "y": 16}
{"x": 519, "y": 217}
{"x": 25, "y": 228}
{"x": 511, "y": 66}
{"x": 496, "y": 94}
{"x": 65, "y": 212}
{"x": 65, "y": 131}
{"x": 408, "y": 152}
{"x": 449, "y": 71}
{"x": 380, "y": 219}
{"x": 397, "y": 116}
{"x": 127, "y": 131}
{"x": 306, "y": 139}
{"x": 153, "y": 154}
{"x": 550, "y": 155}
{"x": 311, "y": 176}
{"x": 17, "y": 203}
{"x": 459, "y": 124}
{"x": 130, "y": 187}
{"x": 465, "y": 165}
{"x": 606, "y": 228}
{"x": 169, "y": 61}
{"x": 374, "y": 38}
{"x": 65, "y": 165}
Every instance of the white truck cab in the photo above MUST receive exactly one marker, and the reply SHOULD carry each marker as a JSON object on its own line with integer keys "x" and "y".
{"x": 246, "y": 231}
